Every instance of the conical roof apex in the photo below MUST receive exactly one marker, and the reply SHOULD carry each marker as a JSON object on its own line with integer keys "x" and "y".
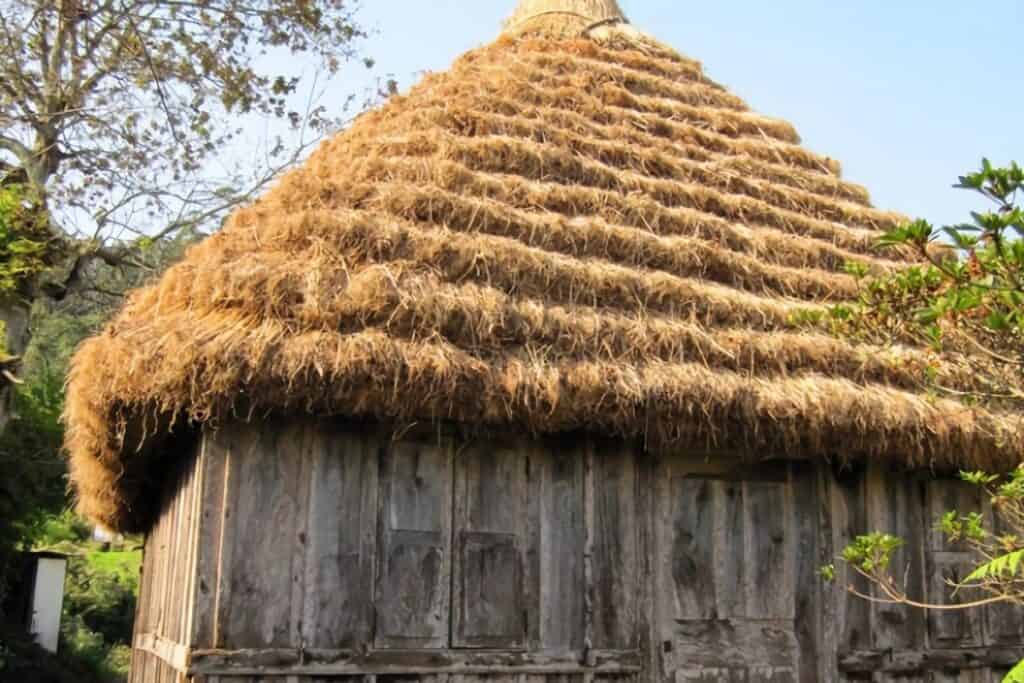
{"x": 566, "y": 231}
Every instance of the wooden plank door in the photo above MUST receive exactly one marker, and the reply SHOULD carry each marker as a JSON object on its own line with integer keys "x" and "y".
{"x": 727, "y": 568}
{"x": 412, "y": 598}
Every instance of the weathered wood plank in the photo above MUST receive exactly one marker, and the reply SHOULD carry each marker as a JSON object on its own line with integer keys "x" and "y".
{"x": 412, "y": 591}
{"x": 231, "y": 442}
{"x": 561, "y": 550}
{"x": 690, "y": 558}
{"x": 214, "y": 463}
{"x": 808, "y": 588}
{"x": 302, "y": 438}
{"x": 489, "y": 571}
{"x": 338, "y": 605}
{"x": 952, "y": 628}
{"x": 647, "y": 616}
{"x": 168, "y": 651}
{"x": 770, "y": 585}
{"x": 896, "y": 505}
{"x": 616, "y": 581}
{"x": 269, "y": 489}
{"x": 706, "y": 675}
{"x": 407, "y": 662}
{"x": 851, "y": 628}
{"x": 918, "y": 661}
{"x": 1004, "y": 623}
{"x": 730, "y": 564}
{"x": 734, "y": 644}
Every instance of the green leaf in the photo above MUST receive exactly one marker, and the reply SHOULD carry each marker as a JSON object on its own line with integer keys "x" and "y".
{"x": 1003, "y": 567}
{"x": 1016, "y": 674}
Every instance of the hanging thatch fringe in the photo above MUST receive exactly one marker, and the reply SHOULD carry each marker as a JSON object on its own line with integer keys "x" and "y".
{"x": 554, "y": 235}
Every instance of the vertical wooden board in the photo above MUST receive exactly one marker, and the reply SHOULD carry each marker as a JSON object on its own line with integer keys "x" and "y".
{"x": 1004, "y": 622}
{"x": 647, "y": 617}
{"x": 896, "y": 506}
{"x": 180, "y": 605}
{"x": 814, "y": 663}
{"x": 136, "y": 671}
{"x": 770, "y": 585}
{"x": 690, "y": 559}
{"x": 192, "y": 543}
{"x": 412, "y": 603}
{"x": 848, "y": 515}
{"x": 267, "y": 491}
{"x": 944, "y": 495}
{"x": 145, "y": 598}
{"x": 730, "y": 549}
{"x": 161, "y": 563}
{"x": 337, "y": 603}
{"x": 490, "y": 529}
{"x": 561, "y": 550}
{"x": 173, "y": 557}
{"x": 951, "y": 628}
{"x": 830, "y": 633}
{"x": 214, "y": 461}
{"x": 532, "y": 558}
{"x": 615, "y": 557}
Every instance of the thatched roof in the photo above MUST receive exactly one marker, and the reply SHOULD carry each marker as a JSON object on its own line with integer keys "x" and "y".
{"x": 573, "y": 228}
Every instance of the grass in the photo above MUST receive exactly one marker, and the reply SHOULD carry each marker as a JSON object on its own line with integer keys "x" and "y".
{"x": 121, "y": 563}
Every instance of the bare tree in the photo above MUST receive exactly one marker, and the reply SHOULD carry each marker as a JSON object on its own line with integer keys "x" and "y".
{"x": 112, "y": 112}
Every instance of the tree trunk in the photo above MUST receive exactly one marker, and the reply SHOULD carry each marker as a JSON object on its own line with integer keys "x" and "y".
{"x": 15, "y": 319}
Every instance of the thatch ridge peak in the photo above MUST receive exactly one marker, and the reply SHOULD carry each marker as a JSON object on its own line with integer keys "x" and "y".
{"x": 583, "y": 15}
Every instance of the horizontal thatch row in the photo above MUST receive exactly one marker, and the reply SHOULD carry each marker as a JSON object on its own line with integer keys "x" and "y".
{"x": 488, "y": 116}
{"x": 416, "y": 303}
{"x": 575, "y": 199}
{"x": 612, "y": 166}
{"x": 673, "y": 68}
{"x": 371, "y": 374}
{"x": 725, "y": 121}
{"x": 594, "y": 239}
{"x": 501, "y": 247}
{"x": 593, "y": 74}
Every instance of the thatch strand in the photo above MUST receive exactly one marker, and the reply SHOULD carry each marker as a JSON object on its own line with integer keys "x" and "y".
{"x": 560, "y": 233}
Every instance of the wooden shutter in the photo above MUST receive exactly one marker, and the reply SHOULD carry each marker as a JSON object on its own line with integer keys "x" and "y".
{"x": 490, "y": 522}
{"x": 727, "y": 564}
{"x": 412, "y": 593}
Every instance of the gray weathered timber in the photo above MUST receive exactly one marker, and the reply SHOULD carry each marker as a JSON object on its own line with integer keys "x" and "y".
{"x": 302, "y": 551}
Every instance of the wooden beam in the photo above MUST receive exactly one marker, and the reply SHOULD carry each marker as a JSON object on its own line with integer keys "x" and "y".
{"x": 287, "y": 662}
{"x": 175, "y": 655}
{"x": 917, "y": 661}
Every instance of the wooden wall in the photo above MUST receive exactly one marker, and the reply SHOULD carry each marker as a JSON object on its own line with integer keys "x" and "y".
{"x": 293, "y": 551}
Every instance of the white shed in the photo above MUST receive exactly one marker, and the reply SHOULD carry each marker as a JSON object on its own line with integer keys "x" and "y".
{"x": 45, "y": 583}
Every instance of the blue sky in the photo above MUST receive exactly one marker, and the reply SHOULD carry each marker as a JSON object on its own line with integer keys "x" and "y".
{"x": 907, "y": 94}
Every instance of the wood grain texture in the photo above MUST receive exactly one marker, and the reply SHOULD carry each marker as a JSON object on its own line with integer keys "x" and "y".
{"x": 413, "y": 586}
{"x": 616, "y": 560}
{"x": 269, "y": 495}
{"x": 561, "y": 550}
{"x": 312, "y": 551}
{"x": 341, "y": 540}
{"x": 489, "y": 574}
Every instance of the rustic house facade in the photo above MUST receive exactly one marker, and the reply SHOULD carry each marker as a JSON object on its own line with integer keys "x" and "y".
{"x": 522, "y": 378}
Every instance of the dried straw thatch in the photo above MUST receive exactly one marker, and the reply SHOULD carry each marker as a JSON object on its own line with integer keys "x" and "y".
{"x": 573, "y": 228}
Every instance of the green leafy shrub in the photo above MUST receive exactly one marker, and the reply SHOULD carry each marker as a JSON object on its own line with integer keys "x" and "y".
{"x": 25, "y": 247}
